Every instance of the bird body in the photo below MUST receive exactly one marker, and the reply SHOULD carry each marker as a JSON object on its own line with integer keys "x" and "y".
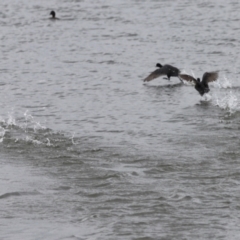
{"x": 165, "y": 70}
{"x": 202, "y": 86}
{"x": 53, "y": 15}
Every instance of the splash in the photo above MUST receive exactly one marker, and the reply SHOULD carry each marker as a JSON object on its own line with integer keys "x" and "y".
{"x": 49, "y": 144}
{"x": 223, "y": 83}
{"x": 28, "y": 118}
{"x": 11, "y": 120}
{"x": 206, "y": 97}
{"x": 72, "y": 139}
{"x": 24, "y": 129}
{"x": 33, "y": 141}
{"x": 31, "y": 122}
{"x": 229, "y": 102}
{"x": 2, "y": 134}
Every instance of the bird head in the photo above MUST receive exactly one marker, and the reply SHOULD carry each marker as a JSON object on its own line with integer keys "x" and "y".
{"x": 53, "y": 14}
{"x": 158, "y": 65}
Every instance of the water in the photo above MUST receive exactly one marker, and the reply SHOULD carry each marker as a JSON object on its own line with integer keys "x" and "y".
{"x": 87, "y": 151}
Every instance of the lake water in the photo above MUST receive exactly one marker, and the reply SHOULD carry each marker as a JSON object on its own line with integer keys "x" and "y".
{"x": 88, "y": 151}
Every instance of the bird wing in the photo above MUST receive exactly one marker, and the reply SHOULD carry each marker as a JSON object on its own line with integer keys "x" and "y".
{"x": 155, "y": 74}
{"x": 187, "y": 77}
{"x": 209, "y": 77}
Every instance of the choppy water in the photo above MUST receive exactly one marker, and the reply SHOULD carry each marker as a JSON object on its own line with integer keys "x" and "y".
{"x": 87, "y": 151}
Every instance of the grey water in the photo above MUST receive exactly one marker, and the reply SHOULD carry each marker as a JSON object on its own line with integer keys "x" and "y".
{"x": 88, "y": 151}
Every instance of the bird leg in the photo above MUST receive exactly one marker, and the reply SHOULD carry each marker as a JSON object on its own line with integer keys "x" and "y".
{"x": 168, "y": 78}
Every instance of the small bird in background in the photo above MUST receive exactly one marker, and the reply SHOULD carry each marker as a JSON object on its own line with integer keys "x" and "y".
{"x": 53, "y": 15}
{"x": 202, "y": 86}
{"x": 165, "y": 70}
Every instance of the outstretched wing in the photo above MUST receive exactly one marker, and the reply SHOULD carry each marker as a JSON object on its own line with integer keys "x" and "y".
{"x": 187, "y": 77}
{"x": 155, "y": 74}
{"x": 209, "y": 77}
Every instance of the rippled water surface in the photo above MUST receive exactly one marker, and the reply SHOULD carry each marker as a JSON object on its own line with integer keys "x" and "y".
{"x": 87, "y": 151}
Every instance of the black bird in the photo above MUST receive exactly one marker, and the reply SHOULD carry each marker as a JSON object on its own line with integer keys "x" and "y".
{"x": 202, "y": 86}
{"x": 53, "y": 15}
{"x": 165, "y": 70}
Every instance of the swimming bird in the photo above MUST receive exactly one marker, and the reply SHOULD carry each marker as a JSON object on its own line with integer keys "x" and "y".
{"x": 53, "y": 15}
{"x": 202, "y": 86}
{"x": 165, "y": 70}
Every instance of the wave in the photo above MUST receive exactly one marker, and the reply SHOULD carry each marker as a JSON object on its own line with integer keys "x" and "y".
{"x": 18, "y": 194}
{"x": 28, "y": 137}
